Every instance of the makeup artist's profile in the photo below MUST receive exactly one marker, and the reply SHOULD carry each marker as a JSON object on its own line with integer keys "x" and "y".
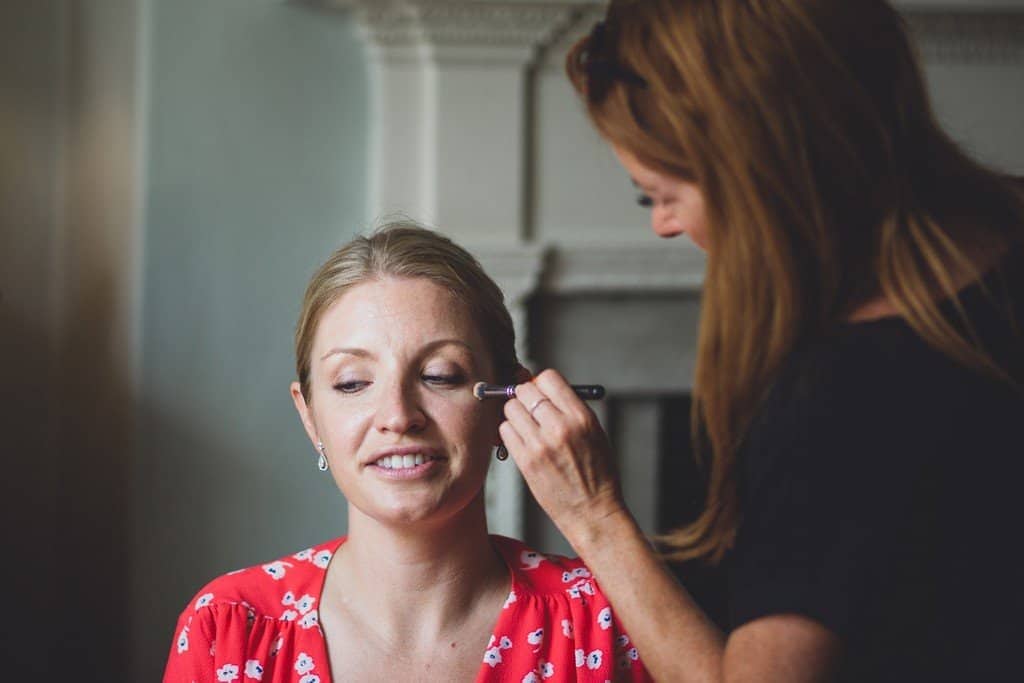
{"x": 396, "y": 329}
{"x": 859, "y": 384}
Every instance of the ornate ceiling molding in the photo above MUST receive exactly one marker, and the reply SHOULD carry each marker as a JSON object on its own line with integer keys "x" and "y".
{"x": 947, "y": 32}
{"x": 965, "y": 37}
{"x": 466, "y": 23}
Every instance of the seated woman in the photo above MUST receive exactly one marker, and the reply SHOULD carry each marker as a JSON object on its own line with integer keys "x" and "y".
{"x": 395, "y": 330}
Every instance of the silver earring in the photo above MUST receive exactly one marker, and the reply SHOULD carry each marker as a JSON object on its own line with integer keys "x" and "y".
{"x": 321, "y": 462}
{"x": 501, "y": 453}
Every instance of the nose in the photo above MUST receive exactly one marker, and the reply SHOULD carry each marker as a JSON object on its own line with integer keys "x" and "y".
{"x": 399, "y": 411}
{"x": 662, "y": 223}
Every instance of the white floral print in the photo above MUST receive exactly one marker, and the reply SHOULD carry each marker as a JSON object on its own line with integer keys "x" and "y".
{"x": 566, "y": 628}
{"x": 304, "y": 664}
{"x": 509, "y": 600}
{"x": 289, "y": 615}
{"x": 581, "y": 588}
{"x": 530, "y": 559}
{"x": 322, "y": 559}
{"x": 535, "y": 638}
{"x": 492, "y": 657}
{"x": 622, "y": 641}
{"x": 277, "y": 570}
{"x": 288, "y": 598}
{"x": 183, "y": 640}
{"x": 254, "y": 670}
{"x": 305, "y": 603}
{"x": 543, "y": 670}
{"x": 227, "y": 673}
{"x": 604, "y": 618}
{"x": 581, "y": 658}
{"x": 309, "y": 620}
{"x": 310, "y": 678}
{"x": 531, "y": 677}
{"x": 203, "y": 600}
{"x": 594, "y": 660}
{"x": 304, "y": 555}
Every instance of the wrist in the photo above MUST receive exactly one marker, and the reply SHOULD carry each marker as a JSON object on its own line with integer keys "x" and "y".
{"x": 609, "y": 528}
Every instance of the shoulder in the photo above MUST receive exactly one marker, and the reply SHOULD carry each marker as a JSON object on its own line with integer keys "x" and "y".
{"x": 285, "y": 588}
{"x": 554, "y": 589}
{"x": 544, "y": 574}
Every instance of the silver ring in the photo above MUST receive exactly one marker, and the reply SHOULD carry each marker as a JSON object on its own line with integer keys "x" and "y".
{"x": 536, "y": 404}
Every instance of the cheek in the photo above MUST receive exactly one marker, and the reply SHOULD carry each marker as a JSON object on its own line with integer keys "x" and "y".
{"x": 474, "y": 423}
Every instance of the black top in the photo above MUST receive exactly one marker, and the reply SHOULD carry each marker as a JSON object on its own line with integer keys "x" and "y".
{"x": 882, "y": 490}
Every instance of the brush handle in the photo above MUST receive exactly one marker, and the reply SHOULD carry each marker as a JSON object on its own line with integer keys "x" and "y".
{"x": 587, "y": 392}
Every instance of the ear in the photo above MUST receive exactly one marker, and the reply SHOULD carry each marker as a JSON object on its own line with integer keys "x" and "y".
{"x": 304, "y": 413}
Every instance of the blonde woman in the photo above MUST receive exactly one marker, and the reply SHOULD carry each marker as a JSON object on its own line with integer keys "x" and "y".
{"x": 859, "y": 386}
{"x": 395, "y": 330}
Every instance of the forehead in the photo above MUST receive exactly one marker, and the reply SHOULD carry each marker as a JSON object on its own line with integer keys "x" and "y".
{"x": 398, "y": 312}
{"x": 642, "y": 174}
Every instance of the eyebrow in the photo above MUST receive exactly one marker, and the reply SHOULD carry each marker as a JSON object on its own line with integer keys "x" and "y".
{"x": 427, "y": 348}
{"x": 638, "y": 186}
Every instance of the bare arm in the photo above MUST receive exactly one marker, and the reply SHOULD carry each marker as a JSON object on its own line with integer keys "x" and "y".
{"x": 563, "y": 455}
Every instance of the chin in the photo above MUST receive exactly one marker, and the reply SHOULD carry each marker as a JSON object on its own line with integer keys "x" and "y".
{"x": 423, "y": 511}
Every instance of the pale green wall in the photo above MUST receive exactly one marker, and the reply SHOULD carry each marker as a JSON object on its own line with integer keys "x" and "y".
{"x": 257, "y": 112}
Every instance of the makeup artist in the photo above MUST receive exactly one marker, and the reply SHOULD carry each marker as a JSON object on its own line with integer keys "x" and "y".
{"x": 859, "y": 390}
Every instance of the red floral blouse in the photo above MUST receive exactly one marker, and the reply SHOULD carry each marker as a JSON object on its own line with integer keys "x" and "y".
{"x": 260, "y": 624}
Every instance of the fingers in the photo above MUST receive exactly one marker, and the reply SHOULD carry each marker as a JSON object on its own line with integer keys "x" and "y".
{"x": 547, "y": 415}
{"x": 552, "y": 385}
{"x": 537, "y": 403}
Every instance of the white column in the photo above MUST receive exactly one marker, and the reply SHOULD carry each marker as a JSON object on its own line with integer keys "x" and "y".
{"x": 449, "y": 141}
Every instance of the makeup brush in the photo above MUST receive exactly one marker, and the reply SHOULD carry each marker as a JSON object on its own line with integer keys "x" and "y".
{"x": 482, "y": 390}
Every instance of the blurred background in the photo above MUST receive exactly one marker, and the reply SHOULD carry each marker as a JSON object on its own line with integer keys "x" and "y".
{"x": 172, "y": 172}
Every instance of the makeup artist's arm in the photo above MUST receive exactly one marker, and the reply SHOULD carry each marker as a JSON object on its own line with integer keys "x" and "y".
{"x": 564, "y": 456}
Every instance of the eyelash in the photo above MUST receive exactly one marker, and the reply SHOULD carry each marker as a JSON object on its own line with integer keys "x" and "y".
{"x": 448, "y": 380}
{"x": 644, "y": 201}
{"x": 349, "y": 387}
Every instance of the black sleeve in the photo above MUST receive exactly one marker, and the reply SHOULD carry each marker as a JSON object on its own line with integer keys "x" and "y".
{"x": 828, "y": 528}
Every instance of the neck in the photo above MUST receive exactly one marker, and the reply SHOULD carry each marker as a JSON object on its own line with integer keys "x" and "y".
{"x": 415, "y": 580}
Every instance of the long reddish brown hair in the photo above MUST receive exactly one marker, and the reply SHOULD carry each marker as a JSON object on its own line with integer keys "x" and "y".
{"x": 827, "y": 182}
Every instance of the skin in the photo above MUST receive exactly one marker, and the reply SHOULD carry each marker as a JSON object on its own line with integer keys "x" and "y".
{"x": 416, "y": 585}
{"x": 564, "y": 455}
{"x": 677, "y": 206}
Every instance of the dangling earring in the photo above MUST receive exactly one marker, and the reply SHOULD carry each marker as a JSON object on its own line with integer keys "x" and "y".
{"x": 321, "y": 462}
{"x": 501, "y": 453}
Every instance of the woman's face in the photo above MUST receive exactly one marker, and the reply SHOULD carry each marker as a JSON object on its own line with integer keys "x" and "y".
{"x": 391, "y": 375}
{"x": 677, "y": 206}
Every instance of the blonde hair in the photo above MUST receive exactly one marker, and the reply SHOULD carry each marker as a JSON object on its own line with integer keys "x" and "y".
{"x": 827, "y": 181}
{"x": 404, "y": 249}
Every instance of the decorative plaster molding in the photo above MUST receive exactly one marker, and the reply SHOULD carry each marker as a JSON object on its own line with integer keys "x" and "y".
{"x": 956, "y": 33}
{"x": 963, "y": 37}
{"x": 632, "y": 268}
{"x": 525, "y": 269}
{"x": 451, "y": 23}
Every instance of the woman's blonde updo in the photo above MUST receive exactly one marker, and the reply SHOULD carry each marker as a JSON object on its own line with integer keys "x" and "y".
{"x": 404, "y": 249}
